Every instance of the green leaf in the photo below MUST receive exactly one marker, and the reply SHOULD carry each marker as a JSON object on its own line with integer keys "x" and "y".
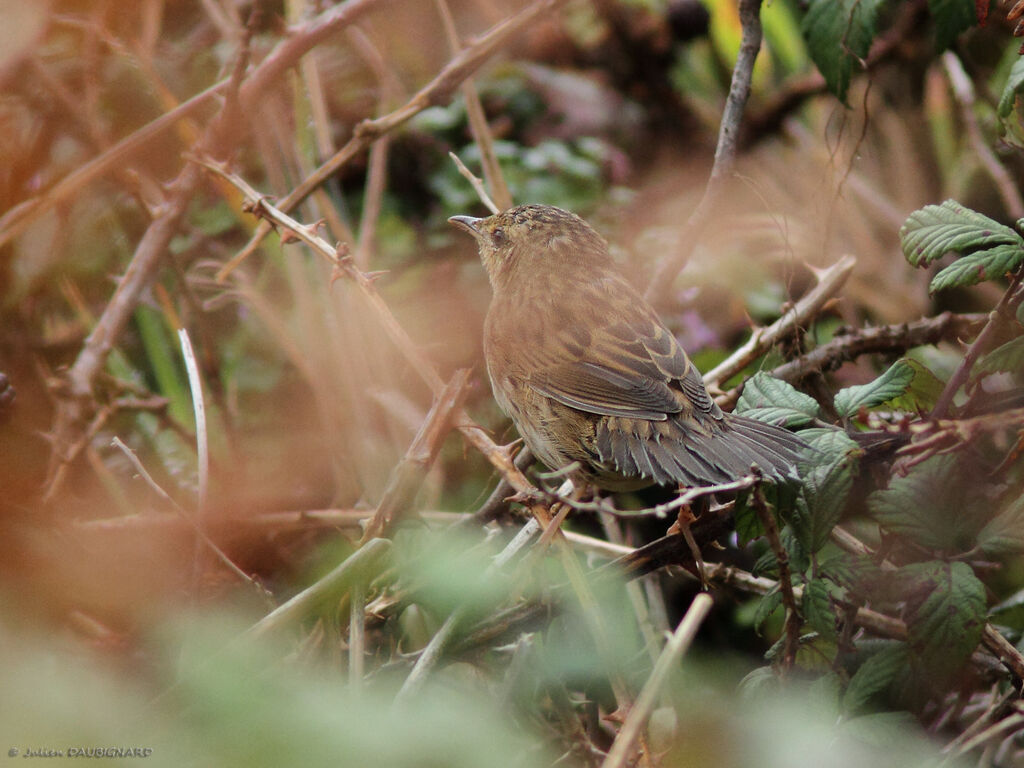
{"x": 951, "y": 18}
{"x": 760, "y": 684}
{"x": 945, "y": 614}
{"x": 748, "y": 523}
{"x": 839, "y": 33}
{"x": 770, "y": 603}
{"x": 826, "y": 484}
{"x": 1010, "y": 612}
{"x": 819, "y": 608}
{"x": 934, "y": 505}
{"x": 874, "y": 676}
{"x": 1014, "y": 84}
{"x": 1007, "y": 357}
{"x": 980, "y": 265}
{"x": 1004, "y": 533}
{"x": 935, "y": 230}
{"x": 768, "y": 399}
{"x": 891, "y": 384}
{"x": 923, "y": 392}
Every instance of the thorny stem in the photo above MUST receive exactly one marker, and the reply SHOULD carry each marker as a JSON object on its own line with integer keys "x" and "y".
{"x": 771, "y": 530}
{"x": 1010, "y": 298}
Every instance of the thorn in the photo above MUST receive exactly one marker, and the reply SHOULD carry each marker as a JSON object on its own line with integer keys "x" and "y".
{"x": 374, "y": 276}
{"x": 287, "y": 236}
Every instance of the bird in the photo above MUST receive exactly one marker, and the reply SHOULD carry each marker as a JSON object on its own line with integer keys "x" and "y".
{"x": 593, "y": 380}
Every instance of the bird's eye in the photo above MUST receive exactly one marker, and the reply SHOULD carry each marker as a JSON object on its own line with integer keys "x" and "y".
{"x": 498, "y": 236}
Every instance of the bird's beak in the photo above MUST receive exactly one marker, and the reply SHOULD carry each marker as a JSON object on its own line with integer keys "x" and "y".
{"x": 468, "y": 223}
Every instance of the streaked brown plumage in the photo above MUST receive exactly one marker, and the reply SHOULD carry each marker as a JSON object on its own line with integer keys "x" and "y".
{"x": 588, "y": 372}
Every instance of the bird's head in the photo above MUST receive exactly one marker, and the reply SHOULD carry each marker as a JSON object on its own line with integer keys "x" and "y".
{"x": 535, "y": 240}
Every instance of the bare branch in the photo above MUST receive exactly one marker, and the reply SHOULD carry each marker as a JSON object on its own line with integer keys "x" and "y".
{"x": 725, "y": 152}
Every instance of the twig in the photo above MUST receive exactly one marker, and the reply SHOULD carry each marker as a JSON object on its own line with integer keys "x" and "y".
{"x": 186, "y": 517}
{"x": 478, "y": 122}
{"x": 1013, "y": 722}
{"x": 432, "y": 653}
{"x": 474, "y": 434}
{"x": 1010, "y": 298}
{"x": 75, "y": 410}
{"x": 406, "y": 477}
{"x": 725, "y": 152}
{"x": 437, "y": 91}
{"x": 359, "y": 567}
{"x": 771, "y": 530}
{"x": 283, "y": 57}
{"x": 195, "y": 383}
{"x": 676, "y": 647}
{"x": 890, "y": 339}
{"x": 991, "y": 712}
{"x": 964, "y": 90}
{"x": 790, "y": 95}
{"x": 498, "y": 502}
{"x": 991, "y": 638}
{"x": 830, "y": 281}
{"x": 476, "y": 183}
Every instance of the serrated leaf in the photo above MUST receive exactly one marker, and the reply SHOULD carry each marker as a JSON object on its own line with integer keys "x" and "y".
{"x": 933, "y": 231}
{"x": 770, "y": 400}
{"x": 934, "y": 505}
{"x": 770, "y": 603}
{"x": 1014, "y": 84}
{"x": 818, "y": 606}
{"x": 923, "y": 392}
{"x": 951, "y": 18}
{"x": 838, "y": 34}
{"x": 1004, "y": 533}
{"x": 989, "y": 264}
{"x": 891, "y": 384}
{"x": 748, "y": 523}
{"x": 1006, "y": 357}
{"x": 874, "y": 676}
{"x": 945, "y": 613}
{"x": 826, "y": 483}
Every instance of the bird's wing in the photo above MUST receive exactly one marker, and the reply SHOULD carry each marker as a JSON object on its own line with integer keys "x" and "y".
{"x": 633, "y": 368}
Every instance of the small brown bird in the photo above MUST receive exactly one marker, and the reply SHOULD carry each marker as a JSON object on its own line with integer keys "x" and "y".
{"x": 590, "y": 374}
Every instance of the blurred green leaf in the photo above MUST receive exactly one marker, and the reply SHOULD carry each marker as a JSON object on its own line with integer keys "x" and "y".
{"x": 945, "y": 613}
{"x": 1014, "y": 84}
{"x": 935, "y": 505}
{"x": 1006, "y": 357}
{"x": 818, "y": 606}
{"x": 1004, "y": 533}
{"x": 933, "y": 231}
{"x": 874, "y": 676}
{"x": 770, "y": 603}
{"x": 892, "y": 384}
{"x": 768, "y": 399}
{"x": 1009, "y": 612}
{"x": 951, "y": 18}
{"x": 838, "y": 33}
{"x": 989, "y": 264}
